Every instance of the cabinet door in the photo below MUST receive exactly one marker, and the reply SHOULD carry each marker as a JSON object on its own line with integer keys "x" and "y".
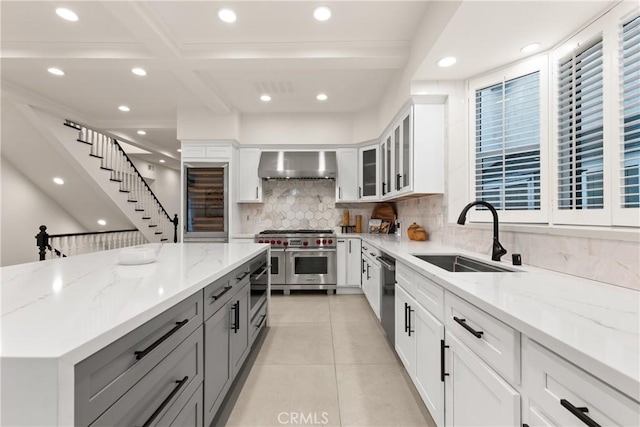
{"x": 385, "y": 166}
{"x": 217, "y": 364}
{"x": 249, "y": 185}
{"x": 366, "y": 278}
{"x": 239, "y": 331}
{"x": 369, "y": 173}
{"x": 405, "y": 330}
{"x": 342, "y": 261}
{"x": 347, "y": 179}
{"x": 406, "y": 152}
{"x": 429, "y": 363}
{"x": 475, "y": 394}
{"x": 354, "y": 262}
{"x": 374, "y": 289}
{"x": 397, "y": 158}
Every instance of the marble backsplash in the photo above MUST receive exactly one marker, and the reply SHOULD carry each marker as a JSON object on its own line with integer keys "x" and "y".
{"x": 291, "y": 204}
{"x": 605, "y": 260}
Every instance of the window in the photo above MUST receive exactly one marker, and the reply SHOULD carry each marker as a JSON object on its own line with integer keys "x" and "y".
{"x": 507, "y": 143}
{"x": 580, "y": 129}
{"x": 630, "y": 108}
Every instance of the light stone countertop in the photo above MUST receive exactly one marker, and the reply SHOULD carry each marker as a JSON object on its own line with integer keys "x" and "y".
{"x": 55, "y": 313}
{"x": 594, "y": 325}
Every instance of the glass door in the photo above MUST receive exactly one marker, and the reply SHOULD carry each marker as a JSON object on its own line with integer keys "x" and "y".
{"x": 206, "y": 203}
{"x": 407, "y": 138}
{"x": 385, "y": 165}
{"x": 369, "y": 172}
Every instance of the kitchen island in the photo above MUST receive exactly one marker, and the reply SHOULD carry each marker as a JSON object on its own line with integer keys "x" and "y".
{"x": 57, "y": 313}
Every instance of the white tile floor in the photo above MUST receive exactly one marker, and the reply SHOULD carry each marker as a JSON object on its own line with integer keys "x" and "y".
{"x": 326, "y": 362}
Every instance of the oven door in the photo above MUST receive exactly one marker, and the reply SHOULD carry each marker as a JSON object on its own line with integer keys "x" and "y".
{"x": 311, "y": 267}
{"x": 277, "y": 267}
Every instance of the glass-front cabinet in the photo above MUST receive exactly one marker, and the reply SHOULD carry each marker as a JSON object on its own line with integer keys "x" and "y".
{"x": 385, "y": 165}
{"x": 369, "y": 175}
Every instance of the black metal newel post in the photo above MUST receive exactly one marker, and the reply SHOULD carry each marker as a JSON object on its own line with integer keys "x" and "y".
{"x": 42, "y": 242}
{"x": 175, "y": 228}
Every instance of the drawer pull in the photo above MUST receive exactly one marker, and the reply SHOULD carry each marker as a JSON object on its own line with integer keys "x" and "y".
{"x": 580, "y": 413}
{"x": 236, "y": 317}
{"x": 463, "y": 323}
{"x": 409, "y": 330}
{"x": 261, "y": 321}
{"x": 406, "y": 317}
{"x": 224, "y": 291}
{"x": 166, "y": 401}
{"x": 442, "y": 372}
{"x": 238, "y": 279}
{"x": 143, "y": 353}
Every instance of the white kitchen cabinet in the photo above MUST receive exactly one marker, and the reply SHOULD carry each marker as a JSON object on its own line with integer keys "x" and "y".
{"x": 347, "y": 176}
{"x": 475, "y": 394}
{"x": 385, "y": 166}
{"x": 557, "y": 390}
{"x": 429, "y": 379}
{"x": 349, "y": 262}
{"x": 368, "y": 173}
{"x": 405, "y": 330}
{"x": 207, "y": 151}
{"x": 249, "y": 184}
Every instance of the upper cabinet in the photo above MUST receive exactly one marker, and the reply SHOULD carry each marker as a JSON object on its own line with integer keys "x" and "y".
{"x": 249, "y": 185}
{"x": 369, "y": 173}
{"x": 413, "y": 162}
{"x": 347, "y": 176}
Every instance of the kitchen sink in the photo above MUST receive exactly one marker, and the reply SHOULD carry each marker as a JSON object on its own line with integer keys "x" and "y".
{"x": 461, "y": 264}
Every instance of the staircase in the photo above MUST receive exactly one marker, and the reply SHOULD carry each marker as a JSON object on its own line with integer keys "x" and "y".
{"x": 153, "y": 221}
{"x": 103, "y": 159}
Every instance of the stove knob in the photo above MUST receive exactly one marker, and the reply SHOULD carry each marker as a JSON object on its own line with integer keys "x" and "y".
{"x": 286, "y": 243}
{"x": 330, "y": 241}
{"x": 305, "y": 243}
{"x": 260, "y": 241}
{"x": 317, "y": 242}
{"x": 279, "y": 241}
{"x": 324, "y": 241}
{"x": 273, "y": 242}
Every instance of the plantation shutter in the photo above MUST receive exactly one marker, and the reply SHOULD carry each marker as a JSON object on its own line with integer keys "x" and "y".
{"x": 630, "y": 113}
{"x": 580, "y": 129}
{"x": 508, "y": 143}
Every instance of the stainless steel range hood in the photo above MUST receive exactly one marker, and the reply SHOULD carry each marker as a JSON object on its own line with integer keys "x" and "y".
{"x": 297, "y": 165}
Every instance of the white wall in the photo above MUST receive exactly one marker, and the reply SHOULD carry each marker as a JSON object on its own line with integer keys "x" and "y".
{"x": 366, "y": 125}
{"x": 164, "y": 182}
{"x": 304, "y": 129}
{"x": 194, "y": 123}
{"x": 25, "y": 208}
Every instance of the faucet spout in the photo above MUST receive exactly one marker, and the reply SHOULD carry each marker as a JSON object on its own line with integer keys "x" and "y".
{"x": 498, "y": 250}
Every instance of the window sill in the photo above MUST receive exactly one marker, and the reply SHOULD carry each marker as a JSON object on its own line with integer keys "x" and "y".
{"x": 628, "y": 234}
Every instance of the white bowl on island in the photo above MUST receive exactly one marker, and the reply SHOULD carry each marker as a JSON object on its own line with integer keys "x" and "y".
{"x": 137, "y": 255}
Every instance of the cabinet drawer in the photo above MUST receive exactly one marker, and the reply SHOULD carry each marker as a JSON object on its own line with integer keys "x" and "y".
{"x": 258, "y": 321}
{"x": 495, "y": 342}
{"x": 405, "y": 278}
{"x": 555, "y": 386}
{"x": 430, "y": 295}
{"x": 105, "y": 376}
{"x": 166, "y": 388}
{"x": 217, "y": 294}
{"x": 189, "y": 416}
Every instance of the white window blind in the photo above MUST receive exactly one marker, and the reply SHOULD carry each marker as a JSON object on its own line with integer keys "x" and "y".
{"x": 507, "y": 131}
{"x": 630, "y": 113}
{"x": 580, "y": 129}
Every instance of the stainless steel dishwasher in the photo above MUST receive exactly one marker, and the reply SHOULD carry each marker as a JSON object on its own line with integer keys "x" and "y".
{"x": 387, "y": 296}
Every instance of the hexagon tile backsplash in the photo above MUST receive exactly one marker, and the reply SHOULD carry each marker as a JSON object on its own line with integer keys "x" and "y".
{"x": 292, "y": 204}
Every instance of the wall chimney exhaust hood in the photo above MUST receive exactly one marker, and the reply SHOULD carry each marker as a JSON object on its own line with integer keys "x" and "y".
{"x": 297, "y": 165}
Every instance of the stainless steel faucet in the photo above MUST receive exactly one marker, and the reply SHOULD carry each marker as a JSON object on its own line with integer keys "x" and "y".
{"x": 498, "y": 249}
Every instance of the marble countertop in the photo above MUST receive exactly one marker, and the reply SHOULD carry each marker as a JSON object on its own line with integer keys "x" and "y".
{"x": 69, "y": 308}
{"x": 594, "y": 325}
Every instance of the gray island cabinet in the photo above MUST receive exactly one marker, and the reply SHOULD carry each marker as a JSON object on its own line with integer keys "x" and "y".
{"x": 173, "y": 367}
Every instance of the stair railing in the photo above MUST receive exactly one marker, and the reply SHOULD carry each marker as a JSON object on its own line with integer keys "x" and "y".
{"x": 64, "y": 245}
{"x": 115, "y": 160}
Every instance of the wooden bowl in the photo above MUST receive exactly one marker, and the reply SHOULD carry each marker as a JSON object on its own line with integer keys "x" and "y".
{"x": 416, "y": 232}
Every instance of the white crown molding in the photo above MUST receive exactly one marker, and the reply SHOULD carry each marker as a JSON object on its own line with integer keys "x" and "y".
{"x": 73, "y": 50}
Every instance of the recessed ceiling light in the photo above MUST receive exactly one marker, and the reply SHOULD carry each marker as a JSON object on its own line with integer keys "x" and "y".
{"x": 322, "y": 13}
{"x": 179, "y": 150}
{"x": 161, "y": 161}
{"x": 447, "y": 61}
{"x": 265, "y": 98}
{"x": 227, "y": 15}
{"x": 141, "y": 132}
{"x": 102, "y": 222}
{"x": 532, "y": 47}
{"x": 67, "y": 14}
{"x": 139, "y": 71}
{"x": 55, "y": 71}
{"x": 322, "y": 97}
{"x": 124, "y": 108}
{"x": 58, "y": 180}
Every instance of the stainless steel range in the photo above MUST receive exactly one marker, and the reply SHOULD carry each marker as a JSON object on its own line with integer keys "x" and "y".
{"x": 301, "y": 259}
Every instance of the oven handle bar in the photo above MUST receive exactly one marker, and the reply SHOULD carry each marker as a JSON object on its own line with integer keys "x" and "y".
{"x": 291, "y": 250}
{"x": 264, "y": 270}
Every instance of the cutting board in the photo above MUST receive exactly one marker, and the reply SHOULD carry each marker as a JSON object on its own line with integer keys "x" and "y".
{"x": 385, "y": 211}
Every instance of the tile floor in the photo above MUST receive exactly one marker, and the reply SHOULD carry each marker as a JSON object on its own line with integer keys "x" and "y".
{"x": 326, "y": 362}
